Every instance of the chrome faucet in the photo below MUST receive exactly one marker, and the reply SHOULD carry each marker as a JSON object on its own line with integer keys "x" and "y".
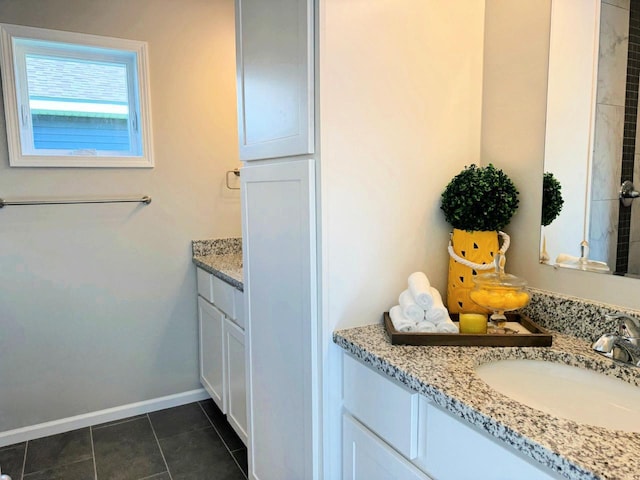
{"x": 623, "y": 346}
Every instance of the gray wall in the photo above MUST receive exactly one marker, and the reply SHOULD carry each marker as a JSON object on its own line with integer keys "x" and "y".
{"x": 97, "y": 302}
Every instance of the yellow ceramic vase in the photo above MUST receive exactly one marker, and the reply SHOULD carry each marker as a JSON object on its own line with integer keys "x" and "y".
{"x": 477, "y": 247}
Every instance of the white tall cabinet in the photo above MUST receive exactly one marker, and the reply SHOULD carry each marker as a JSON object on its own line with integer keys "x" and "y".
{"x": 344, "y": 181}
{"x": 274, "y": 42}
{"x": 279, "y": 282}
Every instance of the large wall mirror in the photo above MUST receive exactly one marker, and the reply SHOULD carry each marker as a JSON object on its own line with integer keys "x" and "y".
{"x": 592, "y": 143}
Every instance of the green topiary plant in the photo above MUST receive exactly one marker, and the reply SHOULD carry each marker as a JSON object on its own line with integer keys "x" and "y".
{"x": 479, "y": 199}
{"x": 552, "y": 200}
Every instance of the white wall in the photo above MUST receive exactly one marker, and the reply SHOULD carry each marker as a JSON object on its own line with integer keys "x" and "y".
{"x": 400, "y": 106}
{"x": 513, "y": 132}
{"x": 97, "y": 302}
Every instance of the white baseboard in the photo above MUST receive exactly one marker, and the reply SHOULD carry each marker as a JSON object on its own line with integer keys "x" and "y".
{"x": 101, "y": 416}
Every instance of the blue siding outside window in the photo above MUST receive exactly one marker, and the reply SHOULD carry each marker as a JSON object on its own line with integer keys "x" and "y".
{"x": 80, "y": 133}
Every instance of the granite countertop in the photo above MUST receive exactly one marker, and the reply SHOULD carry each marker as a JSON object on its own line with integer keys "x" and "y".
{"x": 446, "y": 376}
{"x": 222, "y": 258}
{"x": 226, "y": 267}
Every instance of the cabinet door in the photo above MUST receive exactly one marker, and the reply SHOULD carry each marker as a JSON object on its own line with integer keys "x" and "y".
{"x": 278, "y": 207}
{"x": 211, "y": 322}
{"x": 274, "y": 42}
{"x": 451, "y": 448}
{"x": 366, "y": 457}
{"x": 236, "y": 379}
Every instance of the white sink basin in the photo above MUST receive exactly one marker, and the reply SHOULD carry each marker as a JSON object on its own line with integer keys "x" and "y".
{"x": 573, "y": 393}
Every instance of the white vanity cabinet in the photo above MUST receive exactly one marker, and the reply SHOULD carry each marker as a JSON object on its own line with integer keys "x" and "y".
{"x": 221, "y": 347}
{"x": 391, "y": 432}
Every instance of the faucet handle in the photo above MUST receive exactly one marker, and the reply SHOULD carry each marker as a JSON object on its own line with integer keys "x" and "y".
{"x": 605, "y": 343}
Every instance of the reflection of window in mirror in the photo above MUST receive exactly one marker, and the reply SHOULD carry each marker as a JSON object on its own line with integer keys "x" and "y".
{"x": 74, "y": 99}
{"x": 592, "y": 129}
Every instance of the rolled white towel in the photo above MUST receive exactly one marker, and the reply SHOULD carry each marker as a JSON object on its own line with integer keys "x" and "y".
{"x": 410, "y": 308}
{"x": 400, "y": 322}
{"x": 447, "y": 327}
{"x": 438, "y": 313}
{"x": 419, "y": 287}
{"x": 425, "y": 327}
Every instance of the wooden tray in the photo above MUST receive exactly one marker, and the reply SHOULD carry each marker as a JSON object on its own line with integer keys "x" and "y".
{"x": 538, "y": 337}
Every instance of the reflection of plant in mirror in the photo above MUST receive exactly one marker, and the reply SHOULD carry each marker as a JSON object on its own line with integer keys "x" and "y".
{"x": 552, "y": 200}
{"x": 480, "y": 198}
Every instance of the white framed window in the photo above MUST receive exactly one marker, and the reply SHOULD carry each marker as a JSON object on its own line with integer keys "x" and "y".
{"x": 75, "y": 100}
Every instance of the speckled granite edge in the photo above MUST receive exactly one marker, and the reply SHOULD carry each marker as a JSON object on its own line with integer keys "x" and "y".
{"x": 227, "y": 268}
{"x": 571, "y": 315}
{"x": 217, "y": 246}
{"x": 446, "y": 375}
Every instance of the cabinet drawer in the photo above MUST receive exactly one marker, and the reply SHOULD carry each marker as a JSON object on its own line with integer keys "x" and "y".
{"x": 386, "y": 408}
{"x": 223, "y": 296}
{"x": 238, "y": 301}
{"x": 205, "y": 285}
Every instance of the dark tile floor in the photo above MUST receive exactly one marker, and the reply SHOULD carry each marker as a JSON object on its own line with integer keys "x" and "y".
{"x": 189, "y": 442}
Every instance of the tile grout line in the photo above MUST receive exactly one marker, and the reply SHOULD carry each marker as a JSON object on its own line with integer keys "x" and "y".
{"x": 213, "y": 425}
{"x": 238, "y": 463}
{"x": 223, "y": 442}
{"x": 54, "y": 467}
{"x": 215, "y": 429}
{"x": 159, "y": 446}
{"x": 151, "y": 477}
{"x": 26, "y": 451}
{"x": 235, "y": 460}
{"x": 118, "y": 422}
{"x": 24, "y": 460}
{"x": 93, "y": 454}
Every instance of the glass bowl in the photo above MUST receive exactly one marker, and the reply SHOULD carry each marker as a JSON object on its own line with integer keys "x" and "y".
{"x": 499, "y": 293}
